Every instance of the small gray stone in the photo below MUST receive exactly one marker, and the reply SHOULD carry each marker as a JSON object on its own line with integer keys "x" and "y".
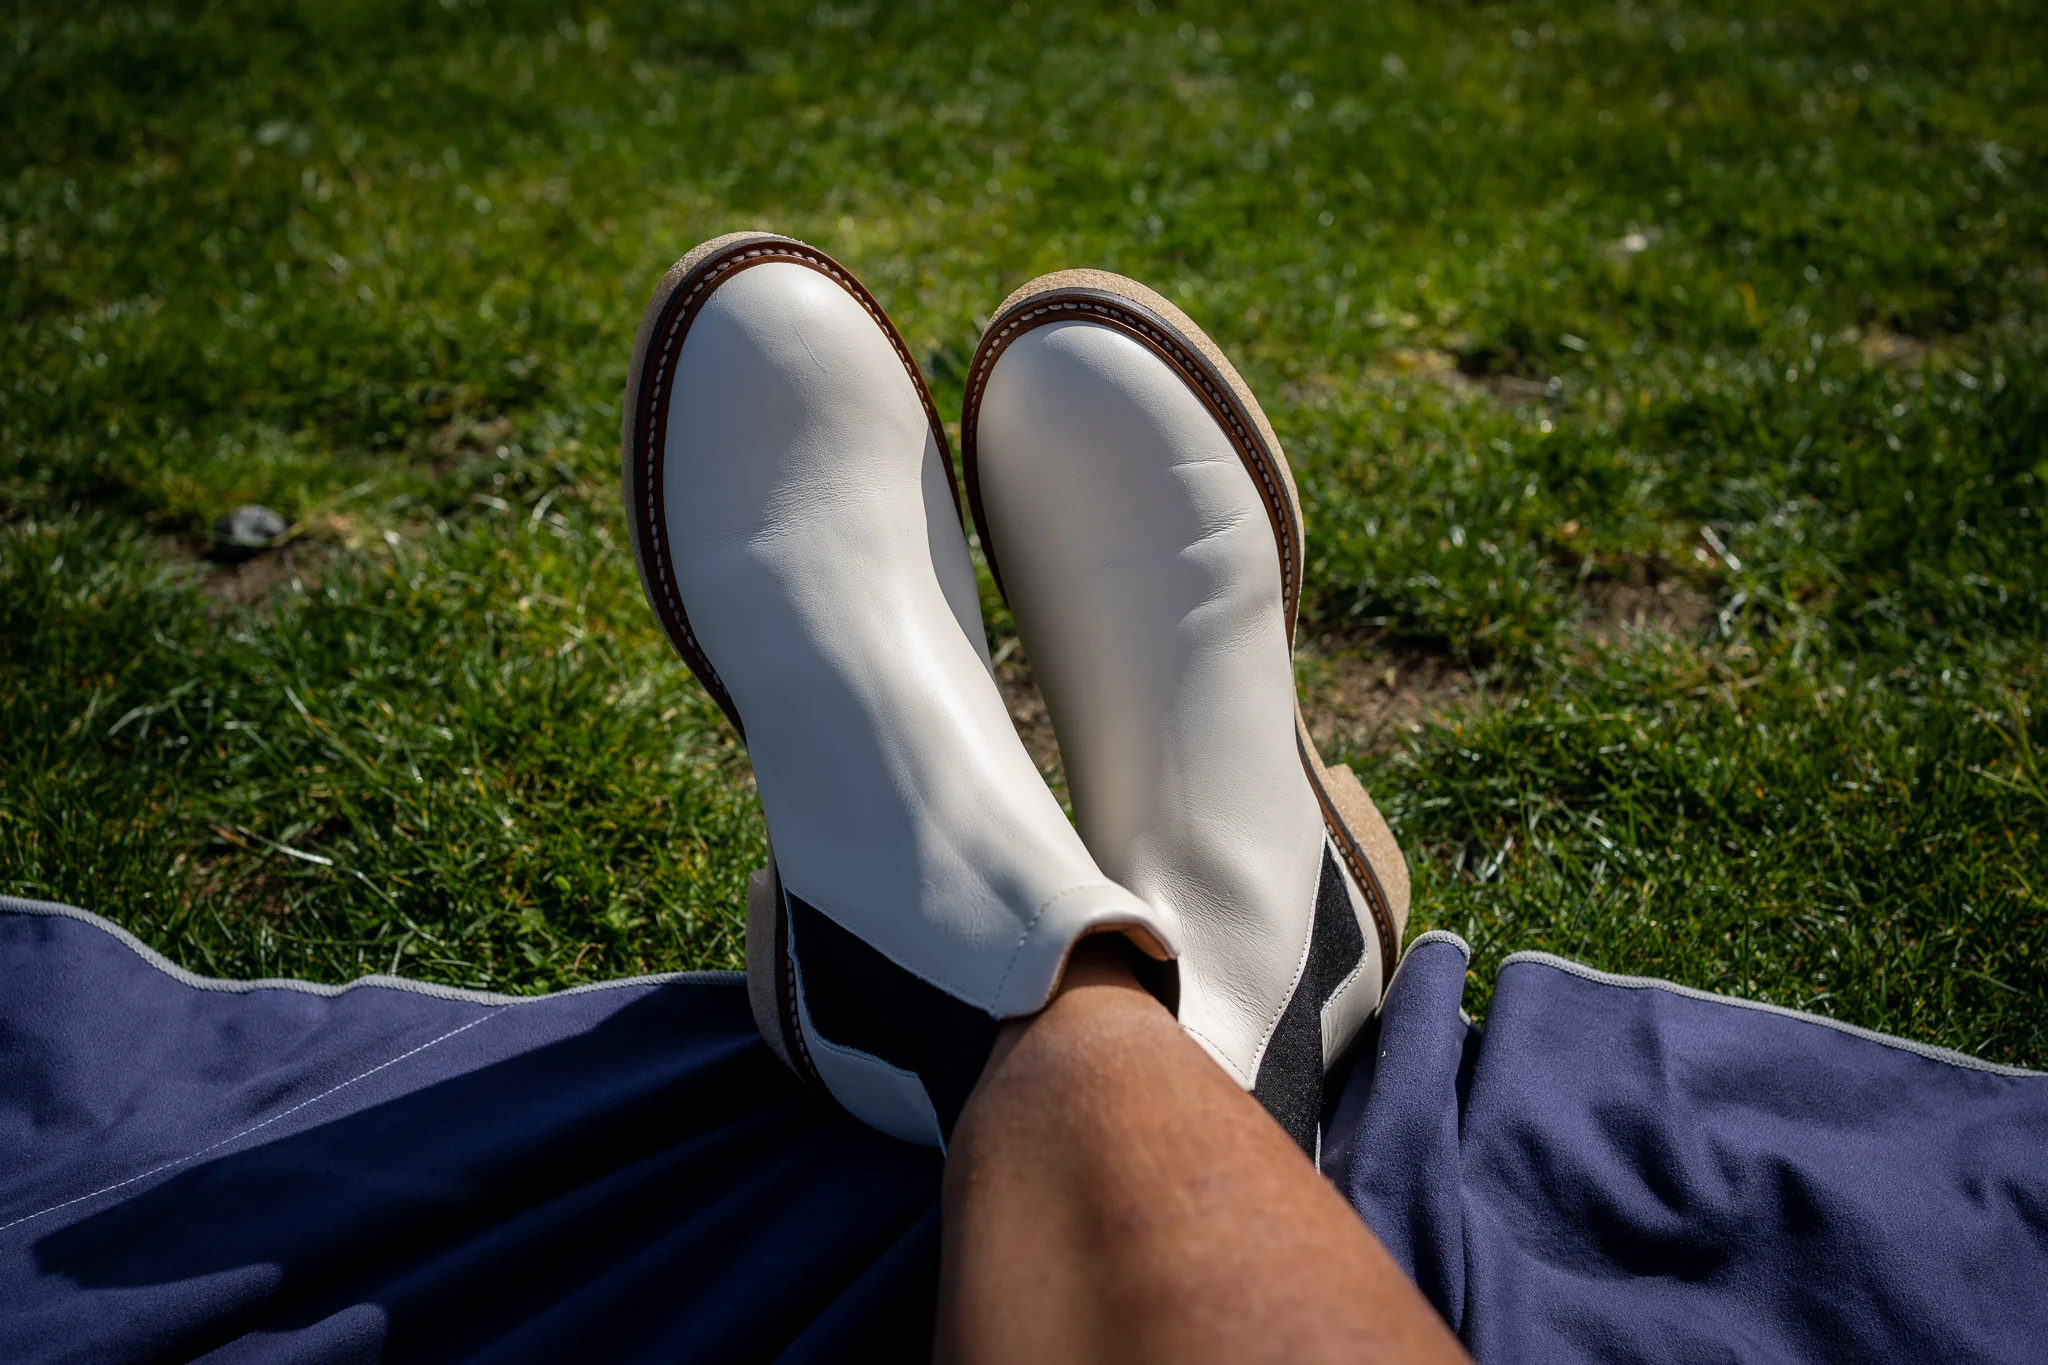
{"x": 248, "y": 529}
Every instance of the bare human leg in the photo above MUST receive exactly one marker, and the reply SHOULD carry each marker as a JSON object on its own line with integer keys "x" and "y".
{"x": 1110, "y": 1194}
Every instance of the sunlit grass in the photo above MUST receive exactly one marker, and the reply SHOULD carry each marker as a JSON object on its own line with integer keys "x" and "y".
{"x": 1545, "y": 300}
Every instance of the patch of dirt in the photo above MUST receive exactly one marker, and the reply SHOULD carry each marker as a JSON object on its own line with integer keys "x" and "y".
{"x": 1614, "y": 609}
{"x": 1473, "y": 373}
{"x": 254, "y": 580}
{"x": 1881, "y": 347}
{"x": 1412, "y": 364}
{"x": 1515, "y": 390}
{"x": 1364, "y": 696}
{"x": 228, "y": 870}
{"x": 467, "y": 438}
{"x": 1423, "y": 361}
{"x": 1034, "y": 725}
{"x": 246, "y": 582}
{"x": 1357, "y": 698}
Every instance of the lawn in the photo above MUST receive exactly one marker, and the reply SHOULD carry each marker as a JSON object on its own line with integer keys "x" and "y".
{"x": 1668, "y": 387}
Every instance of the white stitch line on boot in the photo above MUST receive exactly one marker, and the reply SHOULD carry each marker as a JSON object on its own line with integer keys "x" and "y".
{"x": 1025, "y": 937}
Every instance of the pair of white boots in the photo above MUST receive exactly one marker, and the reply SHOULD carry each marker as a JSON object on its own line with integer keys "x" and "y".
{"x": 797, "y": 531}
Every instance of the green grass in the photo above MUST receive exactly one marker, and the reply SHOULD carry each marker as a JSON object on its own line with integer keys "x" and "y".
{"x": 1767, "y": 293}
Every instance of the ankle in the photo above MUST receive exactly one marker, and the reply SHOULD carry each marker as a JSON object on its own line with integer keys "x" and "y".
{"x": 1101, "y": 960}
{"x": 1101, "y": 1018}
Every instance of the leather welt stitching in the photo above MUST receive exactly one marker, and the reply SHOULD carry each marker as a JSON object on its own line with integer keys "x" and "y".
{"x": 1362, "y": 873}
{"x": 1378, "y": 930}
{"x": 1361, "y": 868}
{"x": 1382, "y": 912}
{"x": 1250, "y": 450}
{"x": 1375, "y": 898}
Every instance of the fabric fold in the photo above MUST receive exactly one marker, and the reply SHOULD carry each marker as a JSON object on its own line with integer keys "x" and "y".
{"x": 1612, "y": 1169}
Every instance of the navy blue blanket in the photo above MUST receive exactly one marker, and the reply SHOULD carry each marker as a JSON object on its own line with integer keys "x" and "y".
{"x": 1614, "y": 1169}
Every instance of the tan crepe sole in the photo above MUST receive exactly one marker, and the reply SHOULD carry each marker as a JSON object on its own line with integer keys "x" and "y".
{"x": 771, "y": 984}
{"x": 1098, "y": 296}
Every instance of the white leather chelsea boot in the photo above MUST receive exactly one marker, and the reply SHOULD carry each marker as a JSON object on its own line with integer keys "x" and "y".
{"x": 1143, "y": 524}
{"x": 793, "y": 517}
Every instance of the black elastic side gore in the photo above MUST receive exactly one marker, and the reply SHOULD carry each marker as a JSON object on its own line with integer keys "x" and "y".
{"x": 1290, "y": 1081}
{"x": 1340, "y": 943}
{"x": 858, "y": 998}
